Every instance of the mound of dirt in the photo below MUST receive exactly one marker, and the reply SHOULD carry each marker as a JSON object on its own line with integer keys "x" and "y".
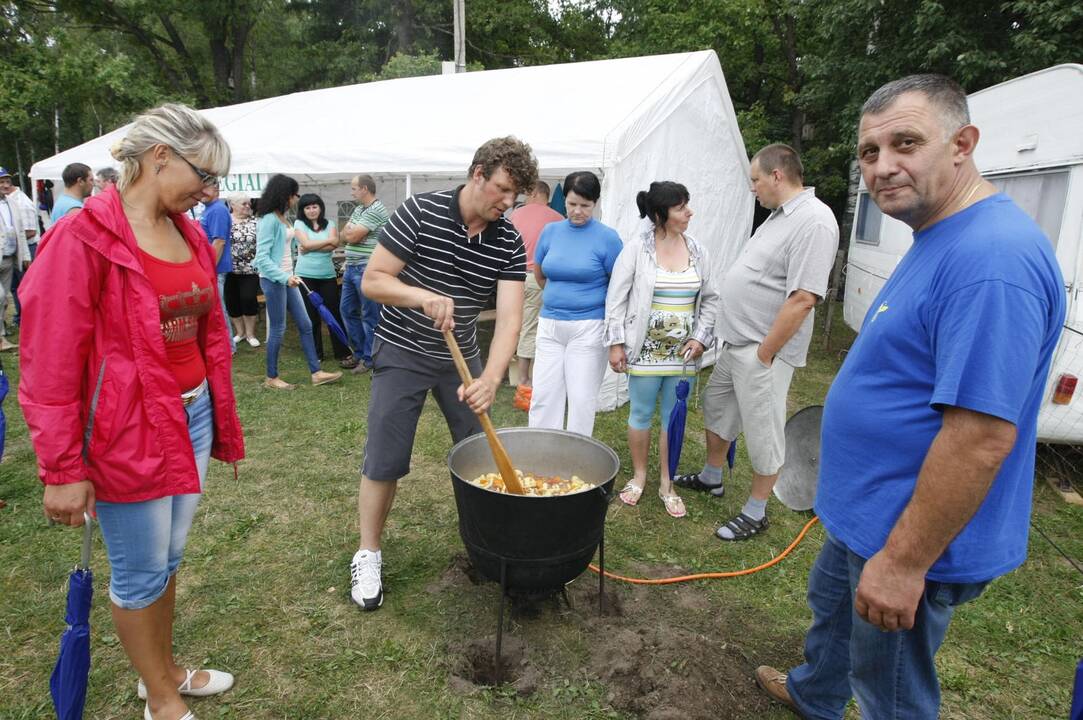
{"x": 669, "y": 673}
{"x": 459, "y": 573}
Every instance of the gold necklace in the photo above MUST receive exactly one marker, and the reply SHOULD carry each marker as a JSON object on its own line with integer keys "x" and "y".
{"x": 963, "y": 204}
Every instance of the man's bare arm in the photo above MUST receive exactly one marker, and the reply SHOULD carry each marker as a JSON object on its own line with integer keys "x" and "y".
{"x": 786, "y": 324}
{"x": 381, "y": 283}
{"x": 354, "y": 234}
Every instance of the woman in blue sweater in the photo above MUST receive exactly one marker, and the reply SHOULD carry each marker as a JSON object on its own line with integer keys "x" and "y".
{"x": 274, "y": 261}
{"x": 572, "y": 263}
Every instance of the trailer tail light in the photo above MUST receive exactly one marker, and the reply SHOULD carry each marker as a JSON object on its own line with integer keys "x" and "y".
{"x": 1062, "y": 395}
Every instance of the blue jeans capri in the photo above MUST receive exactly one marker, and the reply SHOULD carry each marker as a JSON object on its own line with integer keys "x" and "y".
{"x": 643, "y": 392}
{"x": 145, "y": 540}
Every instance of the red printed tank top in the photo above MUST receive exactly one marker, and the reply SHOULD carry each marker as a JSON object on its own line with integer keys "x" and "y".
{"x": 185, "y": 295}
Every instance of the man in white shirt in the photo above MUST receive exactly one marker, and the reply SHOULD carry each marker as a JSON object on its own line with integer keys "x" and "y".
{"x": 23, "y": 205}
{"x": 13, "y": 248}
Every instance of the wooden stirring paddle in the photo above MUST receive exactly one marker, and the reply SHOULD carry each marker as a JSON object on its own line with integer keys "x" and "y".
{"x": 500, "y": 455}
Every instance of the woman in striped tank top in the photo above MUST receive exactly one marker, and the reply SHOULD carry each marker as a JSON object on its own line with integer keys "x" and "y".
{"x": 660, "y": 311}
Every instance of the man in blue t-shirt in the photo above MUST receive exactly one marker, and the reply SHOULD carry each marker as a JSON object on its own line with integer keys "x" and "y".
{"x": 218, "y": 225}
{"x": 929, "y": 430}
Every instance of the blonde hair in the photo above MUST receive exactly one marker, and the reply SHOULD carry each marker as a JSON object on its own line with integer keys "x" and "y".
{"x": 181, "y": 128}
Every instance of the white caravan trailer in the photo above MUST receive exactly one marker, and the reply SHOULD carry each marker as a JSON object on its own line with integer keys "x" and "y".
{"x": 1031, "y": 148}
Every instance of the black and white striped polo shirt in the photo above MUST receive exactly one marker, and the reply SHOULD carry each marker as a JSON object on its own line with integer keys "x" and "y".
{"x": 428, "y": 234}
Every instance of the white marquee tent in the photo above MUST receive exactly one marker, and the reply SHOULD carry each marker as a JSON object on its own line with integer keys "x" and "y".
{"x": 632, "y": 120}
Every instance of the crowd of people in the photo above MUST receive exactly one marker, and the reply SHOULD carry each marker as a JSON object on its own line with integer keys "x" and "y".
{"x": 928, "y": 436}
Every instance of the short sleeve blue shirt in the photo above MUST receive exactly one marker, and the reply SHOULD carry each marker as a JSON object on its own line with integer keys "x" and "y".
{"x": 217, "y": 223}
{"x": 969, "y": 319}
{"x": 577, "y": 261}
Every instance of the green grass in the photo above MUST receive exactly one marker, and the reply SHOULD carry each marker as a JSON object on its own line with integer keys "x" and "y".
{"x": 263, "y": 591}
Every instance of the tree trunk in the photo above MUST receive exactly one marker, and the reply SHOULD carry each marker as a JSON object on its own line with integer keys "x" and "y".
{"x": 785, "y": 25}
{"x": 241, "y": 29}
{"x": 404, "y": 25}
{"x": 221, "y": 56}
{"x": 189, "y": 65}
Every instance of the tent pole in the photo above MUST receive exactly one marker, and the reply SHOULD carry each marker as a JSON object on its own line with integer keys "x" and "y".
{"x": 409, "y": 183}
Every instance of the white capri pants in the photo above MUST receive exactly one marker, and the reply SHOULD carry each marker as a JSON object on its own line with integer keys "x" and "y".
{"x": 569, "y": 362}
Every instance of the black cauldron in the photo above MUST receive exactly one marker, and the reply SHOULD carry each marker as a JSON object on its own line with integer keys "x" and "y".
{"x": 540, "y": 543}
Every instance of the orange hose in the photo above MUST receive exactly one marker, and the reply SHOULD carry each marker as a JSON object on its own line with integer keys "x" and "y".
{"x": 715, "y": 575}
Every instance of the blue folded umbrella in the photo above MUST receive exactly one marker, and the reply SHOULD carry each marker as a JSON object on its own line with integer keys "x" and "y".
{"x": 731, "y": 455}
{"x": 1077, "y": 695}
{"x": 675, "y": 429}
{"x": 3, "y": 419}
{"x": 677, "y": 418}
{"x": 327, "y": 316}
{"x": 68, "y": 683}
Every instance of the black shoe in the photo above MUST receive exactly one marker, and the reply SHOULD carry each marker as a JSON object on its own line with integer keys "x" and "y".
{"x": 742, "y": 527}
{"x": 692, "y": 482}
{"x": 348, "y": 363}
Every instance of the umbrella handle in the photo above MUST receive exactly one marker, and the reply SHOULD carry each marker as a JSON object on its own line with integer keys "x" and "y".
{"x": 88, "y": 536}
{"x": 301, "y": 283}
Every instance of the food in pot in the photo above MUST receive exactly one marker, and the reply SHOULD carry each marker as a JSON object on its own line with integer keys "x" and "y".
{"x": 538, "y": 485}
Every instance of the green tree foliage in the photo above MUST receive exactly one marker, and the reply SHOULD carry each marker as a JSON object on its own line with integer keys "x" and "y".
{"x": 797, "y": 70}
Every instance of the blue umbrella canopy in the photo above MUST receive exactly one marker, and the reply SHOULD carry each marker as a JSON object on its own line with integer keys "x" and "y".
{"x": 68, "y": 683}
{"x": 328, "y": 317}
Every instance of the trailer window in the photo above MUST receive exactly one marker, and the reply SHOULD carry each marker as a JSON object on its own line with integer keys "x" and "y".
{"x": 1041, "y": 195}
{"x": 868, "y": 220}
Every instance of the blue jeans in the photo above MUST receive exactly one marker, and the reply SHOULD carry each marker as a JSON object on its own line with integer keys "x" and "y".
{"x": 891, "y": 674}
{"x": 16, "y": 278}
{"x": 279, "y": 299}
{"x": 225, "y": 313}
{"x": 145, "y": 540}
{"x": 358, "y": 313}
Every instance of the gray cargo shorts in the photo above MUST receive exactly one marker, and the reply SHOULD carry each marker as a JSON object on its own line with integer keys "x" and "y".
{"x": 400, "y": 380}
{"x": 744, "y": 394}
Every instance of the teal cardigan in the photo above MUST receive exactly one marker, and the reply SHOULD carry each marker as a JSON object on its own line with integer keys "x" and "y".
{"x": 270, "y": 244}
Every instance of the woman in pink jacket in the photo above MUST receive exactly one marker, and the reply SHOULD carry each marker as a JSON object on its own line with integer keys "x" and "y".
{"x": 125, "y": 420}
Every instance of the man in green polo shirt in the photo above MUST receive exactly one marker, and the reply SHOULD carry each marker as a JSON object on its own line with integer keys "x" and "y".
{"x": 358, "y": 312}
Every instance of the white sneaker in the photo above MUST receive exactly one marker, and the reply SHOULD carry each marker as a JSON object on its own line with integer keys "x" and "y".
{"x": 237, "y": 339}
{"x": 253, "y": 342}
{"x": 366, "y": 586}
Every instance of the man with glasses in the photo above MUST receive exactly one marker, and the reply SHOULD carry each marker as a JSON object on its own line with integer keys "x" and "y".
{"x": 24, "y": 206}
{"x": 16, "y": 253}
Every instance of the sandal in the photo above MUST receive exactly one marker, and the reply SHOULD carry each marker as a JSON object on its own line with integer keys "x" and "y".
{"x": 743, "y": 527}
{"x": 692, "y": 482}
{"x": 631, "y": 493}
{"x": 674, "y": 505}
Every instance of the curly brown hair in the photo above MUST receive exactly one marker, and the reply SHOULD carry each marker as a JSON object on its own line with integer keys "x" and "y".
{"x": 510, "y": 153}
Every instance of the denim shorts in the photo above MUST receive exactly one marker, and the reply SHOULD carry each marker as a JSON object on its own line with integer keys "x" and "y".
{"x": 145, "y": 540}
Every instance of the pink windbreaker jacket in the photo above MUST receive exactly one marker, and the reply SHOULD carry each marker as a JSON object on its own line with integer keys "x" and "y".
{"x": 95, "y": 385}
